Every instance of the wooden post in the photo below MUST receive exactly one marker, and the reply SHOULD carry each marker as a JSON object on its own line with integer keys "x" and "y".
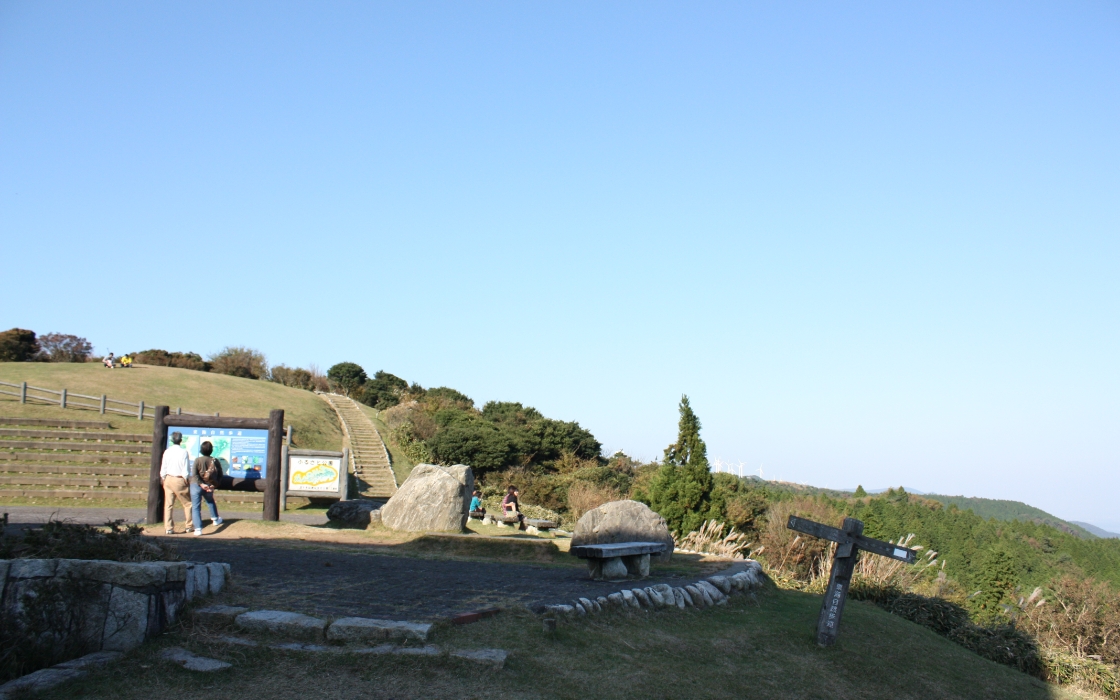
{"x": 155, "y": 486}
{"x": 62, "y": 399}
{"x": 284, "y": 467}
{"x": 840, "y": 578}
{"x": 140, "y": 413}
{"x": 23, "y": 393}
{"x": 103, "y": 401}
{"x": 272, "y": 478}
{"x": 344, "y": 477}
{"x": 179, "y": 411}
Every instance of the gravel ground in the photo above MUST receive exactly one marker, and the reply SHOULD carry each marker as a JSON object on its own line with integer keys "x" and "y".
{"x": 22, "y": 516}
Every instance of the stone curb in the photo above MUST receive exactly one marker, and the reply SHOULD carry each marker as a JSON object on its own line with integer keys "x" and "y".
{"x": 708, "y": 592}
{"x": 493, "y": 658}
{"x": 47, "y": 678}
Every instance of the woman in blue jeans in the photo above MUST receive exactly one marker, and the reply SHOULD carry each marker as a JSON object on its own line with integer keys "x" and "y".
{"x": 201, "y": 490}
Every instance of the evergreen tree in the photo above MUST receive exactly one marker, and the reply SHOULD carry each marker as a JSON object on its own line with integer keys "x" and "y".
{"x": 860, "y": 493}
{"x": 681, "y": 491}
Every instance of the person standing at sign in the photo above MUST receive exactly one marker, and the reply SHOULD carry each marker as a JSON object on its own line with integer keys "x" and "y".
{"x": 202, "y": 486}
{"x": 173, "y": 474}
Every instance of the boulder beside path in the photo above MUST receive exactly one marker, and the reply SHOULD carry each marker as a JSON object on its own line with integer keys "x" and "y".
{"x": 432, "y": 499}
{"x": 623, "y": 521}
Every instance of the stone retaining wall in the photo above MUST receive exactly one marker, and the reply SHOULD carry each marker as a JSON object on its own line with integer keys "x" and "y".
{"x": 113, "y": 606}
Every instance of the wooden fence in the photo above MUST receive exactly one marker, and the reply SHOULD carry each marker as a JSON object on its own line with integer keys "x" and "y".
{"x": 65, "y": 399}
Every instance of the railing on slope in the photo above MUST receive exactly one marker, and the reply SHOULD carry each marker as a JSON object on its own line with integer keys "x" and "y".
{"x": 62, "y": 399}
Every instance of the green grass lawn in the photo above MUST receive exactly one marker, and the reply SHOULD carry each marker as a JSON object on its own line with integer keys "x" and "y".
{"x": 313, "y": 420}
{"x": 747, "y": 649}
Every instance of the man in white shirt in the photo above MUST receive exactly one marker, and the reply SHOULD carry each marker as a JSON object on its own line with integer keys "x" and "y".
{"x": 174, "y": 473}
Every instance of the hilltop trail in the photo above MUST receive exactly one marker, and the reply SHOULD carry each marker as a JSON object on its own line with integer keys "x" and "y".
{"x": 372, "y": 467}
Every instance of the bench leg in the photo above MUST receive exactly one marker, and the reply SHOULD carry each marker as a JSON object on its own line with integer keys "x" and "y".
{"x": 612, "y": 569}
{"x": 637, "y": 565}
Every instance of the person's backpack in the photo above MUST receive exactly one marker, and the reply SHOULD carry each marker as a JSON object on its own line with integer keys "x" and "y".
{"x": 212, "y": 473}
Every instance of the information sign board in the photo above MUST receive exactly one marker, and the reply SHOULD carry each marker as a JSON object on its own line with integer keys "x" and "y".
{"x": 314, "y": 474}
{"x": 242, "y": 452}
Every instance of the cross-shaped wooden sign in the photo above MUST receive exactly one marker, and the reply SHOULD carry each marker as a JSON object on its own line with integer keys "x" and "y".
{"x": 849, "y": 541}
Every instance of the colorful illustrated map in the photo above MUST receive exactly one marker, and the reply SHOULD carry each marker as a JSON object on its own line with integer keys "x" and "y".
{"x": 243, "y": 453}
{"x": 313, "y": 474}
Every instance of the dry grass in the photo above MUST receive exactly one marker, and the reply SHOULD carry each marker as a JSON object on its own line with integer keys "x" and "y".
{"x": 315, "y": 424}
{"x": 584, "y": 496}
{"x": 709, "y": 539}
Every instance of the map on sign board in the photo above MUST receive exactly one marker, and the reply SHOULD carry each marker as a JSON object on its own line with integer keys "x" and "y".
{"x": 314, "y": 474}
{"x": 243, "y": 453}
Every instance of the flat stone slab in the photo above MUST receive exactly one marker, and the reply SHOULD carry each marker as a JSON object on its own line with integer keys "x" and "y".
{"x": 619, "y": 549}
{"x": 94, "y": 660}
{"x": 43, "y": 679}
{"x": 429, "y": 650}
{"x": 219, "y": 614}
{"x": 284, "y": 623}
{"x": 495, "y": 658}
{"x": 540, "y": 524}
{"x": 364, "y": 629}
{"x": 193, "y": 662}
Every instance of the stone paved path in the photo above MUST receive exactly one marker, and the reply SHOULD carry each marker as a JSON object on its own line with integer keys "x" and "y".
{"x": 36, "y": 515}
{"x": 318, "y": 580}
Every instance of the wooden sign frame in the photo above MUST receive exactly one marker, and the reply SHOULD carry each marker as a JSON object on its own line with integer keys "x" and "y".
{"x": 274, "y": 424}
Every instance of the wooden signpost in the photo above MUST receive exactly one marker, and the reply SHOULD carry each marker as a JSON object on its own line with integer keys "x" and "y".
{"x": 270, "y": 484}
{"x": 849, "y": 541}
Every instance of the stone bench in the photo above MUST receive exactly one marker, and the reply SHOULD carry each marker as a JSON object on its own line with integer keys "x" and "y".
{"x": 540, "y": 524}
{"x": 611, "y": 562}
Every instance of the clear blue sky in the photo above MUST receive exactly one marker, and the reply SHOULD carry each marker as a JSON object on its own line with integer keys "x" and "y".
{"x": 875, "y": 243}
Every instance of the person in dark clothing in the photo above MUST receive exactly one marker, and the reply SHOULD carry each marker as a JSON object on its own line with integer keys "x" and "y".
{"x": 201, "y": 490}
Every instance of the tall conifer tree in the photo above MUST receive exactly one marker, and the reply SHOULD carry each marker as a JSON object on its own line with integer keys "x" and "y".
{"x": 681, "y": 491}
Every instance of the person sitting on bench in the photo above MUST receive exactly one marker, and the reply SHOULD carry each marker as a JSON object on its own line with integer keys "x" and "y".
{"x": 510, "y": 506}
{"x": 476, "y": 505}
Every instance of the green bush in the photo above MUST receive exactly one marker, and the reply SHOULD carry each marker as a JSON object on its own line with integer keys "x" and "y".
{"x": 347, "y": 377}
{"x": 294, "y": 377}
{"x": 163, "y": 358}
{"x": 59, "y": 347}
{"x": 240, "y": 362}
{"x": 18, "y": 345}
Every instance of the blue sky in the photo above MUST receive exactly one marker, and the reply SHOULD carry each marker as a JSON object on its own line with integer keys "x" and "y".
{"x": 875, "y": 243}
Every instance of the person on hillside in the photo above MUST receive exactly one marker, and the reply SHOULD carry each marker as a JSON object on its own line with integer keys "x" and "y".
{"x": 108, "y": 361}
{"x": 205, "y": 474}
{"x": 126, "y": 360}
{"x": 476, "y": 504}
{"x": 511, "y": 506}
{"x": 174, "y": 472}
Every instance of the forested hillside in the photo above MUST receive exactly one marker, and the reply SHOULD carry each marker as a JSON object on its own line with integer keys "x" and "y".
{"x": 1010, "y": 510}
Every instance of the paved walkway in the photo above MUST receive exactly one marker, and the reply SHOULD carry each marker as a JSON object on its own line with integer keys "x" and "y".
{"x": 19, "y": 516}
{"x": 340, "y": 579}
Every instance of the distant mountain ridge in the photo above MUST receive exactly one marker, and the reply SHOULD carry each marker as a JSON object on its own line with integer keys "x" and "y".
{"x": 1013, "y": 510}
{"x": 1099, "y": 532}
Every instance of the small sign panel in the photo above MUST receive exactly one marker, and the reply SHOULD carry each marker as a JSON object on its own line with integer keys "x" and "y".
{"x": 243, "y": 453}
{"x": 314, "y": 474}
{"x": 901, "y": 553}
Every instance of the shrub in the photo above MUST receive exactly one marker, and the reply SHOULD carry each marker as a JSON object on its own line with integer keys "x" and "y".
{"x": 18, "y": 345}
{"x": 240, "y": 362}
{"x": 295, "y": 377}
{"x": 163, "y": 358}
{"x": 383, "y": 391}
{"x": 346, "y": 377}
{"x": 115, "y": 542}
{"x": 585, "y": 495}
{"x": 58, "y": 347}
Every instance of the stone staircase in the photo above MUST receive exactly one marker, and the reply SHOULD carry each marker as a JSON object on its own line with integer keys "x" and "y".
{"x": 372, "y": 467}
{"x": 49, "y": 458}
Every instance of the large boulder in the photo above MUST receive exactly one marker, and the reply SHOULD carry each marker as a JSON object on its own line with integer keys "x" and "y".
{"x": 432, "y": 499}
{"x": 623, "y": 521}
{"x": 353, "y": 513}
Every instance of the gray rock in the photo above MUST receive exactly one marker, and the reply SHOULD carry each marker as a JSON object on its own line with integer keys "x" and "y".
{"x": 432, "y": 499}
{"x": 376, "y": 651}
{"x": 278, "y": 622}
{"x": 219, "y": 614}
{"x": 579, "y": 609}
{"x": 494, "y": 658}
{"x": 192, "y": 662}
{"x": 666, "y": 592}
{"x": 238, "y": 641}
{"x": 714, "y": 593}
{"x": 43, "y": 679}
{"x": 722, "y": 583}
{"x": 32, "y": 568}
{"x": 530, "y": 530}
{"x": 655, "y": 597}
{"x": 362, "y": 629}
{"x": 614, "y": 569}
{"x": 623, "y": 521}
{"x": 629, "y": 599}
{"x": 686, "y": 596}
{"x": 698, "y": 598}
{"x": 418, "y": 651}
{"x": 588, "y": 605}
{"x": 219, "y": 574}
{"x": 354, "y": 513}
{"x": 126, "y": 623}
{"x": 679, "y": 598}
{"x": 616, "y": 600}
{"x": 643, "y": 599}
{"x": 300, "y": 646}
{"x": 197, "y": 580}
{"x": 602, "y": 602}
{"x": 94, "y": 660}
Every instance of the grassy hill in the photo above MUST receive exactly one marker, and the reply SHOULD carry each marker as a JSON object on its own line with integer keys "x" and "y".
{"x": 315, "y": 424}
{"x": 1010, "y": 510}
